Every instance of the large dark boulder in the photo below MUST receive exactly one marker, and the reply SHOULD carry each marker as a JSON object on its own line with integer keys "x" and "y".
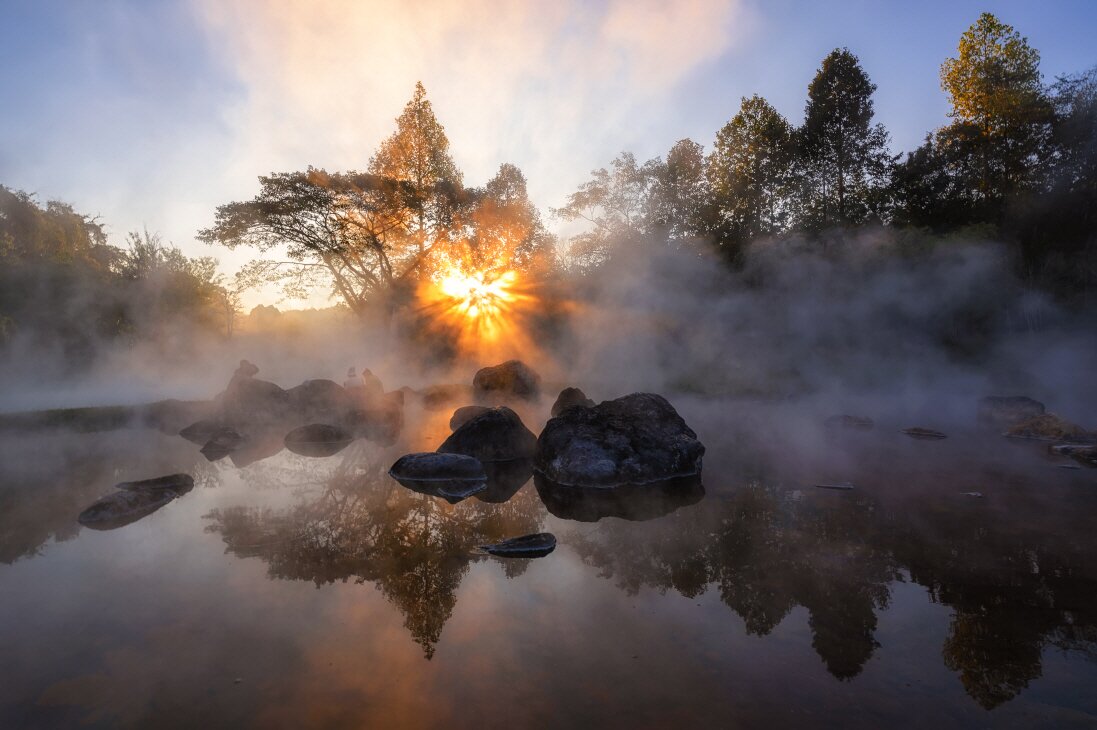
{"x": 1002, "y": 411}
{"x": 570, "y": 397}
{"x": 321, "y": 401}
{"x": 177, "y": 484}
{"x": 636, "y": 439}
{"x": 250, "y": 401}
{"x": 497, "y": 434}
{"x": 512, "y": 379}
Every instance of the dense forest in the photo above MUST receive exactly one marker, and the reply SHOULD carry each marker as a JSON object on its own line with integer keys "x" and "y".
{"x": 1016, "y": 164}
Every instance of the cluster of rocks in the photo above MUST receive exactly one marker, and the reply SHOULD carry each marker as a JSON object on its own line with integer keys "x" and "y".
{"x": 253, "y": 419}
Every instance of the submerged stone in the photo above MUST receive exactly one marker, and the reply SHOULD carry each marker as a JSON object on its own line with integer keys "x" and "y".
{"x": 511, "y": 379}
{"x": 924, "y": 433}
{"x": 568, "y": 398}
{"x": 433, "y": 466}
{"x": 123, "y": 507}
{"x": 318, "y": 439}
{"x": 497, "y": 434}
{"x": 636, "y": 439}
{"x": 175, "y": 483}
{"x": 537, "y": 545}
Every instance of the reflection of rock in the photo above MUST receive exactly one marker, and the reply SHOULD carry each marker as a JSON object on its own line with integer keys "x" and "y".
{"x": 123, "y": 507}
{"x": 222, "y": 443}
{"x": 928, "y": 434}
{"x": 177, "y": 484}
{"x": 1002, "y": 411}
{"x": 497, "y": 434}
{"x": 570, "y": 397}
{"x": 511, "y": 379}
{"x": 633, "y": 502}
{"x": 433, "y": 466}
{"x": 1049, "y": 427}
{"x": 505, "y": 478}
{"x": 464, "y": 414}
{"x": 256, "y": 447}
{"x": 537, "y": 545}
{"x": 635, "y": 439}
{"x": 317, "y": 439}
{"x": 453, "y": 491}
{"x": 860, "y": 423}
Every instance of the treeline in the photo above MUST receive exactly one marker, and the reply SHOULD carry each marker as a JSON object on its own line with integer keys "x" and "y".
{"x": 65, "y": 289}
{"x": 1017, "y": 163}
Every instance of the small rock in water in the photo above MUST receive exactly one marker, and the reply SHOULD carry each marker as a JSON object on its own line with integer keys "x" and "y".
{"x": 177, "y": 484}
{"x": 568, "y": 398}
{"x": 1049, "y": 427}
{"x": 123, "y": 507}
{"x": 497, "y": 434}
{"x": 527, "y": 546}
{"x": 464, "y": 414}
{"x": 924, "y": 433}
{"x": 433, "y": 466}
{"x": 861, "y": 423}
{"x": 845, "y": 486}
{"x": 317, "y": 439}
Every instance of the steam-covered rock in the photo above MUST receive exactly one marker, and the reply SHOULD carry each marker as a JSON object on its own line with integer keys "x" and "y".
{"x": 318, "y": 439}
{"x": 437, "y": 397}
{"x": 636, "y": 439}
{"x": 222, "y": 443}
{"x": 321, "y": 401}
{"x": 381, "y": 421}
{"x": 511, "y": 379}
{"x": 497, "y": 434}
{"x": 202, "y": 431}
{"x": 1002, "y": 411}
{"x": 1049, "y": 427}
{"x": 249, "y": 401}
{"x": 570, "y": 397}
{"x": 464, "y": 414}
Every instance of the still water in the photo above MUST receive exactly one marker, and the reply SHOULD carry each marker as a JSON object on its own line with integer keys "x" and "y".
{"x": 298, "y": 592}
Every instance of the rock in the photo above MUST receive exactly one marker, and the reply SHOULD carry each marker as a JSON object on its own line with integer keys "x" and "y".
{"x": 636, "y": 503}
{"x": 843, "y": 486}
{"x": 505, "y": 478}
{"x": 637, "y": 439}
{"x": 1002, "y": 411}
{"x": 317, "y": 439}
{"x": 924, "y": 433}
{"x": 177, "y": 484}
{"x": 437, "y": 397}
{"x": 464, "y": 414}
{"x": 321, "y": 401}
{"x": 382, "y": 421}
{"x": 497, "y": 434}
{"x": 123, "y": 507}
{"x": 537, "y": 545}
{"x": 222, "y": 443}
{"x": 570, "y": 397}
{"x": 1085, "y": 454}
{"x": 257, "y": 446}
{"x": 202, "y": 431}
{"x": 249, "y": 401}
{"x": 1049, "y": 427}
{"x": 512, "y": 379}
{"x": 860, "y": 423}
{"x": 433, "y": 466}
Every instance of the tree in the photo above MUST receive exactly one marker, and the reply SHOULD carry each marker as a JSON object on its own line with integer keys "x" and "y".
{"x": 681, "y": 198}
{"x": 507, "y": 231}
{"x": 1000, "y": 108}
{"x": 417, "y": 153}
{"x": 844, "y": 154}
{"x": 617, "y": 203}
{"x": 750, "y": 175}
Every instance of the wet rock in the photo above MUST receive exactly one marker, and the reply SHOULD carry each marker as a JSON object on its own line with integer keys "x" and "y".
{"x": 1049, "y": 427}
{"x": 511, "y": 379}
{"x": 537, "y": 545}
{"x": 123, "y": 507}
{"x": 222, "y": 443}
{"x": 202, "y": 431}
{"x": 505, "y": 478}
{"x": 497, "y": 434}
{"x": 317, "y": 439}
{"x": 636, "y": 439}
{"x": 177, "y": 484}
{"x": 433, "y": 466}
{"x": 1002, "y": 411}
{"x": 636, "y": 503}
{"x": 250, "y": 401}
{"x": 928, "y": 434}
{"x": 464, "y": 414}
{"x": 321, "y": 401}
{"x": 860, "y": 423}
{"x": 570, "y": 397}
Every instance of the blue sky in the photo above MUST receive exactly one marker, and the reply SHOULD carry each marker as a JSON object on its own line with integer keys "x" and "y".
{"x": 151, "y": 113}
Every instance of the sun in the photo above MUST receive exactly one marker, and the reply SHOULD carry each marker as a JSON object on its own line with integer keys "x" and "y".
{"x": 487, "y": 311}
{"x": 474, "y": 296}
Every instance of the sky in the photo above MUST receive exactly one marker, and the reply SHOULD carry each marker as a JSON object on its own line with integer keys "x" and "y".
{"x": 151, "y": 113}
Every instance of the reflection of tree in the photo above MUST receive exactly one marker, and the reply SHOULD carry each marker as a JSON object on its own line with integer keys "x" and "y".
{"x": 358, "y": 524}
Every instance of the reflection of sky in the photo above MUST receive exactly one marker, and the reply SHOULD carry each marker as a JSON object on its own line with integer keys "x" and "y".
{"x": 153, "y": 623}
{"x": 151, "y": 114}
